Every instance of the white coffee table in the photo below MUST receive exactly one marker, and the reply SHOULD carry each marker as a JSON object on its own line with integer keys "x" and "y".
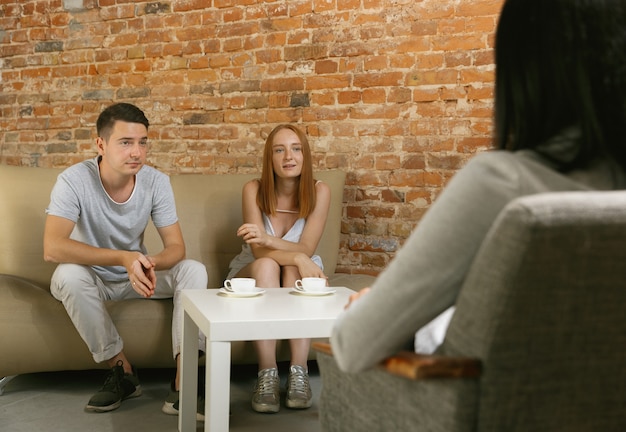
{"x": 279, "y": 313}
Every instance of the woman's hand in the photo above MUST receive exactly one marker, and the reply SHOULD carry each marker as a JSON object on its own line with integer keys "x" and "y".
{"x": 357, "y": 295}
{"x": 252, "y": 234}
{"x": 307, "y": 268}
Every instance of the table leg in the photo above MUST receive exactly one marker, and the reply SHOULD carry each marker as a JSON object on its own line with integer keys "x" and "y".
{"x": 188, "y": 376}
{"x": 217, "y": 387}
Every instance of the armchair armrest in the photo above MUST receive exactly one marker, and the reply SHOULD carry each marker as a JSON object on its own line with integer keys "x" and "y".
{"x": 414, "y": 366}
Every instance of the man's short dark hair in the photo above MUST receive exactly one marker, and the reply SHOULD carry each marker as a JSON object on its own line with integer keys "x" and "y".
{"x": 119, "y": 112}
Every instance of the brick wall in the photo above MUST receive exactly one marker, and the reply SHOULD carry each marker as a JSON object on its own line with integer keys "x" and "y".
{"x": 398, "y": 93}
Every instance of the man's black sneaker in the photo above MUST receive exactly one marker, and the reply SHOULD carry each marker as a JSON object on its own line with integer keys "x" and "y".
{"x": 117, "y": 387}
{"x": 172, "y": 403}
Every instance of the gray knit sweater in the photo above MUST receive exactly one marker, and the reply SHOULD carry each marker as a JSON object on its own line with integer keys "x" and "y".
{"x": 425, "y": 277}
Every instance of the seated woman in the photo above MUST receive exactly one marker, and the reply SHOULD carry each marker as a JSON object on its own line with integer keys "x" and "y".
{"x": 560, "y": 123}
{"x": 284, "y": 214}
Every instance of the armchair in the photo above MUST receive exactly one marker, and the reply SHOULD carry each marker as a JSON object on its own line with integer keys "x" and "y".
{"x": 536, "y": 342}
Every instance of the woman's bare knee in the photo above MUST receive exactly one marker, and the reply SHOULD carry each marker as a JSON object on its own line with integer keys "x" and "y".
{"x": 266, "y": 271}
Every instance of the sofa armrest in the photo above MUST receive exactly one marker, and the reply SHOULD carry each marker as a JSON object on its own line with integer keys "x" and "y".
{"x": 420, "y": 366}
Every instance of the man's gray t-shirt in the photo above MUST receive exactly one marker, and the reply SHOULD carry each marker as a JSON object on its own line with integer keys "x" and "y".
{"x": 79, "y": 196}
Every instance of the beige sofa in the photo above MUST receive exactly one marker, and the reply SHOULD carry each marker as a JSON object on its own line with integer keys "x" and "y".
{"x": 36, "y": 334}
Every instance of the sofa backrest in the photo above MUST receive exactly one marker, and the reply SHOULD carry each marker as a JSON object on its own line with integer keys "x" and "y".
{"x": 543, "y": 308}
{"x": 24, "y": 196}
{"x": 209, "y": 209}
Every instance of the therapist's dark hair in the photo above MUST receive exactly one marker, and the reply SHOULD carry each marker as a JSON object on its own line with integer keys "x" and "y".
{"x": 562, "y": 64}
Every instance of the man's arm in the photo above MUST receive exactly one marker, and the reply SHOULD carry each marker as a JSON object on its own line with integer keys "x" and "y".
{"x": 58, "y": 247}
{"x": 173, "y": 247}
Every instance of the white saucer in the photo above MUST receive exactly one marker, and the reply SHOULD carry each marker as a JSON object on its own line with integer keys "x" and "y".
{"x": 313, "y": 293}
{"x": 256, "y": 292}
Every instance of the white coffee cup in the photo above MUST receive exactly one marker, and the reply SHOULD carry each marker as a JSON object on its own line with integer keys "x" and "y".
{"x": 311, "y": 284}
{"x": 240, "y": 285}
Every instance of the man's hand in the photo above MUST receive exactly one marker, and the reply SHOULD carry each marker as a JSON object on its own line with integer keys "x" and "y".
{"x": 141, "y": 274}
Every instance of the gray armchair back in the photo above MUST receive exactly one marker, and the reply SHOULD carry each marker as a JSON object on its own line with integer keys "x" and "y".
{"x": 543, "y": 309}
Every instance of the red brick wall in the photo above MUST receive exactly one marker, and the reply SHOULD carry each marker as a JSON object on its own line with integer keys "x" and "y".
{"x": 398, "y": 93}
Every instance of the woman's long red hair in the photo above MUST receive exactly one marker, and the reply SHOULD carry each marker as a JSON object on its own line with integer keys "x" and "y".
{"x": 266, "y": 198}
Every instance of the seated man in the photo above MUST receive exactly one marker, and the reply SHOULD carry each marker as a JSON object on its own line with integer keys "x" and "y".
{"x": 95, "y": 223}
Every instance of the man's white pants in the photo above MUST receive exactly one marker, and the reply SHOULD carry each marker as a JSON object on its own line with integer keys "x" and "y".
{"x": 83, "y": 294}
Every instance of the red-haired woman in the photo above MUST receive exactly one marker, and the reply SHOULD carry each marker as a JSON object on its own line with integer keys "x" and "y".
{"x": 284, "y": 214}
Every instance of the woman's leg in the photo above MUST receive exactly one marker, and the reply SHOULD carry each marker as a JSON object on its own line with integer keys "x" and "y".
{"x": 266, "y": 396}
{"x": 299, "y": 395}
{"x": 266, "y": 271}
{"x": 299, "y": 347}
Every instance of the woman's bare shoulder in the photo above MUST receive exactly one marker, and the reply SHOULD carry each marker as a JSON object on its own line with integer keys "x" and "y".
{"x": 252, "y": 185}
{"x": 320, "y": 186}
